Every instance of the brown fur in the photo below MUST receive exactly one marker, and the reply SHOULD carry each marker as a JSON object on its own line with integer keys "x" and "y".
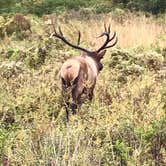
{"x": 78, "y": 76}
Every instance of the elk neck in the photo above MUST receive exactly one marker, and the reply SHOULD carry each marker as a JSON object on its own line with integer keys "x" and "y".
{"x": 93, "y": 61}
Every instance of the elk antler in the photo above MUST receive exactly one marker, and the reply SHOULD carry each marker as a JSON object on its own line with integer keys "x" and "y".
{"x": 61, "y": 36}
{"x": 108, "y": 39}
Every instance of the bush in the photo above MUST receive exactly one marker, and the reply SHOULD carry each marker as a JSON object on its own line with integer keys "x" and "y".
{"x": 152, "y": 6}
{"x": 12, "y": 69}
{"x": 18, "y": 24}
{"x": 41, "y": 7}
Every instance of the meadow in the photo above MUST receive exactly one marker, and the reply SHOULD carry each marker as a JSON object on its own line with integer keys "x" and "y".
{"x": 125, "y": 124}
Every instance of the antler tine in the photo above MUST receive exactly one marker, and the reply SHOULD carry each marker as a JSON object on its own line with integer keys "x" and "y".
{"x": 60, "y": 36}
{"x": 105, "y": 28}
{"x": 113, "y": 36}
{"x": 52, "y": 23}
{"x": 109, "y": 29}
{"x": 108, "y": 39}
{"x": 60, "y": 31}
{"x": 116, "y": 40}
{"x": 79, "y": 37}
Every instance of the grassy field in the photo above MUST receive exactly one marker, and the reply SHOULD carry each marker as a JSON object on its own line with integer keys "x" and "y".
{"x": 125, "y": 124}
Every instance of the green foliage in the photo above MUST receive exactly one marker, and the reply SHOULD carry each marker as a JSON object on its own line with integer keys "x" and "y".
{"x": 41, "y": 7}
{"x": 152, "y": 6}
{"x": 6, "y": 6}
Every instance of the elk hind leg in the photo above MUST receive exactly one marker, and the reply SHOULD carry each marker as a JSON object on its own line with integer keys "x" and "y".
{"x": 66, "y": 103}
{"x": 67, "y": 114}
{"x": 76, "y": 95}
{"x": 90, "y": 94}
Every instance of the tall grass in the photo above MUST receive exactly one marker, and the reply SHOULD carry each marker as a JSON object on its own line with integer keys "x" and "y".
{"x": 132, "y": 30}
{"x": 125, "y": 122}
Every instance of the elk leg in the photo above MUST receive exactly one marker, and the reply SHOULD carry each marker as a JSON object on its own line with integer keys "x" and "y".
{"x": 73, "y": 107}
{"x": 76, "y": 95}
{"x": 67, "y": 114}
{"x": 66, "y": 104}
{"x": 90, "y": 94}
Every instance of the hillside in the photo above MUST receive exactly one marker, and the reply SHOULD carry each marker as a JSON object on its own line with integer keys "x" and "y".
{"x": 125, "y": 124}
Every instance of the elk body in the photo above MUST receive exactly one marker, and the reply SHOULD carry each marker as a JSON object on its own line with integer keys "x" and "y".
{"x": 78, "y": 75}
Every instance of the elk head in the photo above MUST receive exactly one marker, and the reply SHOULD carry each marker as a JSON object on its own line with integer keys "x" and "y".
{"x": 78, "y": 75}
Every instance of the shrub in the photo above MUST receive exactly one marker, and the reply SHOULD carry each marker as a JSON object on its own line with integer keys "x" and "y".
{"x": 18, "y": 24}
{"x": 12, "y": 69}
{"x": 153, "y": 6}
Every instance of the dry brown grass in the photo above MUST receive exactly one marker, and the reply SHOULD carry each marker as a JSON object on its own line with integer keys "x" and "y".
{"x": 133, "y": 31}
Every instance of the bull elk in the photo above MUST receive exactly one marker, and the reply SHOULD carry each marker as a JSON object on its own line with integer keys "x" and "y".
{"x": 76, "y": 72}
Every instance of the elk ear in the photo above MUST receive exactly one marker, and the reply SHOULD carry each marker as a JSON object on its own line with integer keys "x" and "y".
{"x": 101, "y": 54}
